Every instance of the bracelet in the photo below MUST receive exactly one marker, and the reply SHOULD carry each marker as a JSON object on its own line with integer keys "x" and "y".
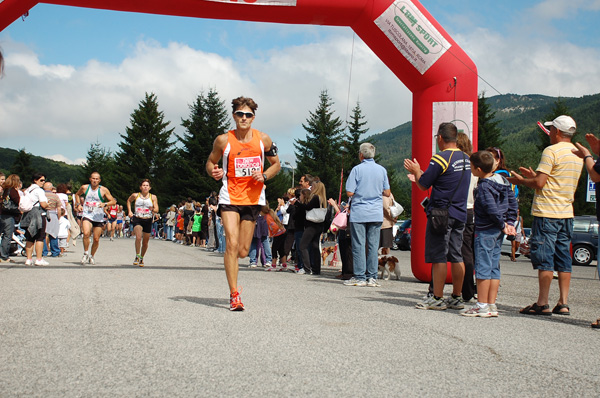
{"x": 588, "y": 156}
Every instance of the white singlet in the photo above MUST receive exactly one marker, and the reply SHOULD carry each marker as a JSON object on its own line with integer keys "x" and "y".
{"x": 143, "y": 207}
{"x": 91, "y": 205}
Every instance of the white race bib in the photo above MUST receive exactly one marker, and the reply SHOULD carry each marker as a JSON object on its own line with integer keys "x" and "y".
{"x": 245, "y": 166}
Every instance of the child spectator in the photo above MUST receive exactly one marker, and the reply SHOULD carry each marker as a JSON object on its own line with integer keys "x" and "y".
{"x": 260, "y": 243}
{"x": 63, "y": 232}
{"x": 495, "y": 214}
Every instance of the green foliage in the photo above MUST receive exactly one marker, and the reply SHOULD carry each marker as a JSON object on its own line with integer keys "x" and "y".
{"x": 145, "y": 152}
{"x": 488, "y": 132}
{"x": 559, "y": 108}
{"x": 208, "y": 119}
{"x": 100, "y": 159}
{"x": 25, "y": 164}
{"x": 319, "y": 154}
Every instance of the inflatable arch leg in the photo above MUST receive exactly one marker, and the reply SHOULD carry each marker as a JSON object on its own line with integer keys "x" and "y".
{"x": 402, "y": 33}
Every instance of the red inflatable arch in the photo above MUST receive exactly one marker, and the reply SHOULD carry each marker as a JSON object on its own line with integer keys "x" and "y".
{"x": 441, "y": 76}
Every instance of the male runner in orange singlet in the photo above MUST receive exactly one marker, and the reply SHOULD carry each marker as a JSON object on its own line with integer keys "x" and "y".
{"x": 243, "y": 193}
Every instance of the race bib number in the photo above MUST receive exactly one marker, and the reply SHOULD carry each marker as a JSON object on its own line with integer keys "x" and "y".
{"x": 245, "y": 166}
{"x": 91, "y": 204}
{"x": 143, "y": 212}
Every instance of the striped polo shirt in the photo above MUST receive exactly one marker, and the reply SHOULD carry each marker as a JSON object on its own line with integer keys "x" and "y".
{"x": 555, "y": 199}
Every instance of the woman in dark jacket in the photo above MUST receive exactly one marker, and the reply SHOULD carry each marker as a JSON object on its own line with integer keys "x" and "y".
{"x": 9, "y": 214}
{"x": 309, "y": 200}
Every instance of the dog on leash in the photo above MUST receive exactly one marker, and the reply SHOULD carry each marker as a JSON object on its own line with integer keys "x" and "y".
{"x": 325, "y": 252}
{"x": 390, "y": 265}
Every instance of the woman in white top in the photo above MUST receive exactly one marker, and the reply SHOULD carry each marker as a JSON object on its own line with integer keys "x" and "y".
{"x": 146, "y": 206}
{"x": 38, "y": 196}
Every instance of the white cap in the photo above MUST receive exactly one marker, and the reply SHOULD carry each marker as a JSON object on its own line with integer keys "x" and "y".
{"x": 566, "y": 124}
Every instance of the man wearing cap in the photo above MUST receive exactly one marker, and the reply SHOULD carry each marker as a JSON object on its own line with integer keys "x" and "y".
{"x": 555, "y": 181}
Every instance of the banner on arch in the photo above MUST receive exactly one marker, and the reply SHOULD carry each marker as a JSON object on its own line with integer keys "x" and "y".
{"x": 259, "y": 2}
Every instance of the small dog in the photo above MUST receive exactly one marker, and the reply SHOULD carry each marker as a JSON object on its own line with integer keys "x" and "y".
{"x": 325, "y": 252}
{"x": 389, "y": 264}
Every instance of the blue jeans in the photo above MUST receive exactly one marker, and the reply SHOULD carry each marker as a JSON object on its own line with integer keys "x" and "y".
{"x": 550, "y": 244}
{"x": 365, "y": 239}
{"x": 54, "y": 249}
{"x": 488, "y": 244}
{"x": 169, "y": 232}
{"x": 254, "y": 249}
{"x": 220, "y": 236}
{"x": 7, "y": 227}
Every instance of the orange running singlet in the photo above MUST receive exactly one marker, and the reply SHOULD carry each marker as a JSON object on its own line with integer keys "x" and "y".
{"x": 239, "y": 160}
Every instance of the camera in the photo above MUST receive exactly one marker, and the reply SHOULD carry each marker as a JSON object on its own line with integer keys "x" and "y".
{"x": 425, "y": 202}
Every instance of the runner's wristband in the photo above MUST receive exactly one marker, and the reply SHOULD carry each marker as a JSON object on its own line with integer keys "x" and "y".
{"x": 588, "y": 156}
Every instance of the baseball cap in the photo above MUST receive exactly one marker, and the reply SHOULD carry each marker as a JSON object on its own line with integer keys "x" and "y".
{"x": 563, "y": 123}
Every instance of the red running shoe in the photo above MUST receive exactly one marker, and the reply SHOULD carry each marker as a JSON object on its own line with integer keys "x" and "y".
{"x": 235, "y": 303}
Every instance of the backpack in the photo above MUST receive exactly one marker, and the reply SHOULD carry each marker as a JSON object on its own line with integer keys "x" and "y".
{"x": 27, "y": 202}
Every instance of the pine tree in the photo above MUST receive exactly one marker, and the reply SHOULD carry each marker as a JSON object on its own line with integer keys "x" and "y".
{"x": 208, "y": 119}
{"x": 352, "y": 140}
{"x": 22, "y": 167}
{"x": 101, "y": 160}
{"x": 146, "y": 152}
{"x": 488, "y": 132}
{"x": 319, "y": 154}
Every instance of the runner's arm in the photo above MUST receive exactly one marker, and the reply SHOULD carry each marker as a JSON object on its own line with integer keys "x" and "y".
{"x": 212, "y": 164}
{"x": 274, "y": 165}
{"x": 77, "y": 197}
{"x": 111, "y": 201}
{"x": 130, "y": 199}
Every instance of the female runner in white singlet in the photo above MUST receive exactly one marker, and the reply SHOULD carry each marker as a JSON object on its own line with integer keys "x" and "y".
{"x": 145, "y": 207}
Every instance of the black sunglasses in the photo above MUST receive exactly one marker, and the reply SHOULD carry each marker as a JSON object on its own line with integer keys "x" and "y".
{"x": 240, "y": 114}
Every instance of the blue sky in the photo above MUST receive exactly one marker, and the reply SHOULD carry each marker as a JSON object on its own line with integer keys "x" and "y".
{"x": 74, "y": 75}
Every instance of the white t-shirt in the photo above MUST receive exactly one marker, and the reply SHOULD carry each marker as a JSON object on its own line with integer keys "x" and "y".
{"x": 37, "y": 194}
{"x": 63, "y": 228}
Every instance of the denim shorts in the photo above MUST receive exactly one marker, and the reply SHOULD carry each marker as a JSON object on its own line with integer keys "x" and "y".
{"x": 487, "y": 247}
{"x": 550, "y": 244}
{"x": 444, "y": 248}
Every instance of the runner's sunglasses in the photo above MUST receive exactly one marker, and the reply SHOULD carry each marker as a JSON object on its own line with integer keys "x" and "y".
{"x": 240, "y": 114}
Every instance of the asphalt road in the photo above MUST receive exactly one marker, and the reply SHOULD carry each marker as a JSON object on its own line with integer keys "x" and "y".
{"x": 113, "y": 330}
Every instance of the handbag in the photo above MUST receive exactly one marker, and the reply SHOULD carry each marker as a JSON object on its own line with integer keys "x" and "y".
{"x": 438, "y": 216}
{"x": 8, "y": 206}
{"x": 340, "y": 221}
{"x": 316, "y": 215}
{"x": 396, "y": 209}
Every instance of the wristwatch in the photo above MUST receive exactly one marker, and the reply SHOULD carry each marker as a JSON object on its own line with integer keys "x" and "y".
{"x": 265, "y": 177}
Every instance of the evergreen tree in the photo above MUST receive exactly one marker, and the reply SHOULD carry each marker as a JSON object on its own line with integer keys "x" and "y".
{"x": 101, "y": 160}
{"x": 352, "y": 140}
{"x": 22, "y": 167}
{"x": 488, "y": 132}
{"x": 559, "y": 108}
{"x": 146, "y": 152}
{"x": 319, "y": 154}
{"x": 208, "y": 119}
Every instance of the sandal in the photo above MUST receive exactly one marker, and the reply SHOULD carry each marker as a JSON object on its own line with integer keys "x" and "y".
{"x": 535, "y": 309}
{"x": 559, "y": 307}
{"x": 596, "y": 325}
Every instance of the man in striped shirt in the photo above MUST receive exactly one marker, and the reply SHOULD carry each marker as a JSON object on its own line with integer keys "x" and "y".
{"x": 555, "y": 181}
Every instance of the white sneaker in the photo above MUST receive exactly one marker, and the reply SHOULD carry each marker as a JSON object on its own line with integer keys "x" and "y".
{"x": 252, "y": 265}
{"x": 92, "y": 260}
{"x": 301, "y": 271}
{"x": 476, "y": 310}
{"x": 85, "y": 258}
{"x": 493, "y": 310}
{"x": 29, "y": 262}
{"x": 355, "y": 282}
{"x": 372, "y": 282}
{"x": 275, "y": 268}
{"x": 41, "y": 262}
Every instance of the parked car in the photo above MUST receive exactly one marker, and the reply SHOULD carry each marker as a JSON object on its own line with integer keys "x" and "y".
{"x": 402, "y": 238}
{"x": 584, "y": 242}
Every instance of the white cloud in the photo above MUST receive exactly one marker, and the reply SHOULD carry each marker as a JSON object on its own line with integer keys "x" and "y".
{"x": 45, "y": 104}
{"x": 62, "y": 158}
{"x": 534, "y": 66}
